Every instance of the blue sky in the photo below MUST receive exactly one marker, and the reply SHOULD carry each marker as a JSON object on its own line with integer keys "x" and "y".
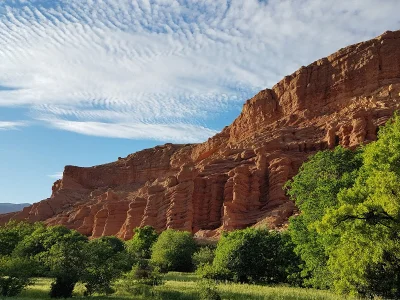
{"x": 85, "y": 81}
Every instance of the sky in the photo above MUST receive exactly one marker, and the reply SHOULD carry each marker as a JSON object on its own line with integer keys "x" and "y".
{"x": 83, "y": 82}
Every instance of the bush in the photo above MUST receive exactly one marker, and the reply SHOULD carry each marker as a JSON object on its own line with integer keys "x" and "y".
{"x": 11, "y": 286}
{"x": 15, "y": 275}
{"x": 141, "y": 280}
{"x": 173, "y": 251}
{"x": 207, "y": 290}
{"x": 209, "y": 271}
{"x": 253, "y": 255}
{"x": 144, "y": 273}
{"x": 204, "y": 256}
{"x": 139, "y": 247}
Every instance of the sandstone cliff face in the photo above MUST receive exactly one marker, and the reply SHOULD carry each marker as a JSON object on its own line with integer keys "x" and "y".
{"x": 235, "y": 179}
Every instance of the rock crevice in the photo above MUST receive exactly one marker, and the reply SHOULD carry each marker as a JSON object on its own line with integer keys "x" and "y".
{"x": 235, "y": 179}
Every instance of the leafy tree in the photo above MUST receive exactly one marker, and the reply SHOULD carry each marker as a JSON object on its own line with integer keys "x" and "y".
{"x": 15, "y": 274}
{"x": 105, "y": 260}
{"x": 140, "y": 245}
{"x": 14, "y": 232}
{"x": 315, "y": 189}
{"x": 65, "y": 262}
{"x": 59, "y": 251}
{"x": 253, "y": 255}
{"x": 173, "y": 251}
{"x": 366, "y": 259}
{"x": 41, "y": 240}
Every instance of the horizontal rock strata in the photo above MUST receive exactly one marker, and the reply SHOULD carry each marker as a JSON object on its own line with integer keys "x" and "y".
{"x": 235, "y": 179}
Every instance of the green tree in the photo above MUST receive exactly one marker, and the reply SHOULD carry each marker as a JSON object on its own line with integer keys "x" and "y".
{"x": 366, "y": 259}
{"x": 173, "y": 251}
{"x": 59, "y": 251}
{"x": 314, "y": 190}
{"x": 253, "y": 255}
{"x": 105, "y": 261}
{"x": 13, "y": 233}
{"x": 140, "y": 245}
{"x": 65, "y": 262}
{"x": 15, "y": 275}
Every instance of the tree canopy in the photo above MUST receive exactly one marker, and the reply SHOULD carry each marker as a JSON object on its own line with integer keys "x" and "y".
{"x": 173, "y": 251}
{"x": 314, "y": 190}
{"x": 348, "y": 231}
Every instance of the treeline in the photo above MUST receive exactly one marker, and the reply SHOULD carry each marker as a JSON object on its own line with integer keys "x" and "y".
{"x": 346, "y": 238}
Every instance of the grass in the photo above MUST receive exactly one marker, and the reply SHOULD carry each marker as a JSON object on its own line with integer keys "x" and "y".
{"x": 182, "y": 286}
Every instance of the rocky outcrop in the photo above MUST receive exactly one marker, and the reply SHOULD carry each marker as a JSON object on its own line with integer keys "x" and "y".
{"x": 235, "y": 179}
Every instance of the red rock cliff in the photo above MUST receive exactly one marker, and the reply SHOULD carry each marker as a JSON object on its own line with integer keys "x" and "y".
{"x": 235, "y": 179}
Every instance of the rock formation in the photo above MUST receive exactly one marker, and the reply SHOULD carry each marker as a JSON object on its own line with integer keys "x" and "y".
{"x": 235, "y": 179}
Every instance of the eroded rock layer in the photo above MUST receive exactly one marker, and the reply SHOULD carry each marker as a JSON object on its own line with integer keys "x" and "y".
{"x": 235, "y": 179}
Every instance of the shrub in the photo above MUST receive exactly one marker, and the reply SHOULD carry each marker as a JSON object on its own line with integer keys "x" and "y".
{"x": 144, "y": 273}
{"x": 15, "y": 275}
{"x": 209, "y": 271}
{"x": 141, "y": 280}
{"x": 139, "y": 247}
{"x": 207, "y": 290}
{"x": 11, "y": 286}
{"x": 253, "y": 255}
{"x": 173, "y": 251}
{"x": 204, "y": 256}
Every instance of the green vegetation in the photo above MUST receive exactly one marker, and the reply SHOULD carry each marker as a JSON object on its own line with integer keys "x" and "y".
{"x": 139, "y": 247}
{"x": 251, "y": 255}
{"x": 105, "y": 261}
{"x": 315, "y": 189}
{"x": 204, "y": 256}
{"x": 173, "y": 251}
{"x": 346, "y": 239}
{"x": 185, "y": 286}
{"x": 348, "y": 232}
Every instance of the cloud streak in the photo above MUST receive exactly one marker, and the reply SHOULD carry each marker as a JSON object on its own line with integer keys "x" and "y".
{"x": 57, "y": 175}
{"x": 161, "y": 69}
{"x": 8, "y": 125}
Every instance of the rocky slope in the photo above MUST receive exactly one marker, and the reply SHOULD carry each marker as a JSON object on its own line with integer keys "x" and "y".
{"x": 235, "y": 179}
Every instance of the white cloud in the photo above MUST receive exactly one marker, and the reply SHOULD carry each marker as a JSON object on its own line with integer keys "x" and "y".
{"x": 10, "y": 125}
{"x": 184, "y": 133}
{"x": 57, "y": 175}
{"x": 120, "y": 68}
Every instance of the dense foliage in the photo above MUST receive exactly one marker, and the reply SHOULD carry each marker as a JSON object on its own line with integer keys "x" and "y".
{"x": 252, "y": 255}
{"x": 315, "y": 190}
{"x": 13, "y": 233}
{"x": 15, "y": 274}
{"x": 139, "y": 247}
{"x": 345, "y": 238}
{"x": 204, "y": 256}
{"x": 348, "y": 231}
{"x": 105, "y": 261}
{"x": 62, "y": 254}
{"x": 173, "y": 251}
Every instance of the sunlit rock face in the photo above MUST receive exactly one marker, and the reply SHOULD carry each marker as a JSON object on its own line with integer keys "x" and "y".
{"x": 235, "y": 179}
